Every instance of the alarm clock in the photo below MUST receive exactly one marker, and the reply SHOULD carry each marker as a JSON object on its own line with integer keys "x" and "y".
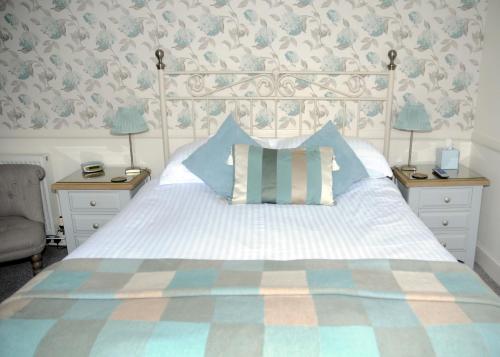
{"x": 92, "y": 166}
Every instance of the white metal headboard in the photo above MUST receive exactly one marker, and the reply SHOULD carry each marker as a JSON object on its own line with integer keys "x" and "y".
{"x": 191, "y": 92}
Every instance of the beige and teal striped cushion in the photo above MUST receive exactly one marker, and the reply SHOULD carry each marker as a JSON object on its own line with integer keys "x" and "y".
{"x": 286, "y": 176}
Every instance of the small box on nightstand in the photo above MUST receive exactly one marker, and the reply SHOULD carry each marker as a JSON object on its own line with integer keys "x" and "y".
{"x": 447, "y": 158}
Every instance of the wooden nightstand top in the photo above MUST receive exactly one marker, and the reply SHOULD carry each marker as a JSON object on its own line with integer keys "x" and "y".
{"x": 461, "y": 177}
{"x": 76, "y": 181}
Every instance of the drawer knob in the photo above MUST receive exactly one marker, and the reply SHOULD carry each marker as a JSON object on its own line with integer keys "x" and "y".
{"x": 447, "y": 199}
{"x": 95, "y": 225}
{"x": 92, "y": 203}
{"x": 445, "y": 222}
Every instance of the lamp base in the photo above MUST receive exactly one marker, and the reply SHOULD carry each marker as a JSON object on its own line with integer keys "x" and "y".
{"x": 408, "y": 168}
{"x": 132, "y": 171}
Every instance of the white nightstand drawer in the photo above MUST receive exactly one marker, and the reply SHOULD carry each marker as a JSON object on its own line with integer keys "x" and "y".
{"x": 444, "y": 219}
{"x": 446, "y": 197}
{"x": 452, "y": 240}
{"x": 90, "y": 222}
{"x": 93, "y": 201}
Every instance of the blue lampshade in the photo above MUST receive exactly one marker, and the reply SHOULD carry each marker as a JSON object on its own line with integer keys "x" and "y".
{"x": 413, "y": 117}
{"x": 128, "y": 121}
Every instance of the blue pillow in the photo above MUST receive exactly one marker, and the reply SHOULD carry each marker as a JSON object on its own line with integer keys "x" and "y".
{"x": 351, "y": 168}
{"x": 208, "y": 162}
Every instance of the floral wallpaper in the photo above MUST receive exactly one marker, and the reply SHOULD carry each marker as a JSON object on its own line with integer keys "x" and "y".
{"x": 73, "y": 63}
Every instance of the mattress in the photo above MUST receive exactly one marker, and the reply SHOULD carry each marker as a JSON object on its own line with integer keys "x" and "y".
{"x": 188, "y": 221}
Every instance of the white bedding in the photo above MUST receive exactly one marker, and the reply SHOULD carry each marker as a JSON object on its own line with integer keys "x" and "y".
{"x": 189, "y": 221}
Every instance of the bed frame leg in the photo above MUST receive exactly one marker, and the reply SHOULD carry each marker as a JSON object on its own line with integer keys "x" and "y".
{"x": 36, "y": 263}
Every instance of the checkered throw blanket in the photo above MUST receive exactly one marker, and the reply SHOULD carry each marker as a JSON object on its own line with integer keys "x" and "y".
{"x": 123, "y": 307}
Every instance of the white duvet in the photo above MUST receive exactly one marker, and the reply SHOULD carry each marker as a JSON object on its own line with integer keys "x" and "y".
{"x": 189, "y": 221}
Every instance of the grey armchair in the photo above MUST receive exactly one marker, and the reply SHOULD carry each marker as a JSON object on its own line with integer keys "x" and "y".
{"x": 22, "y": 229}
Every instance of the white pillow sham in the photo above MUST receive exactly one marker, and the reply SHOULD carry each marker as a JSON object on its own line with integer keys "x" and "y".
{"x": 176, "y": 172}
{"x": 375, "y": 163}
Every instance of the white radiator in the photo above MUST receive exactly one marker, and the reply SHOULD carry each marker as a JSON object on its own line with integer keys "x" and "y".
{"x": 40, "y": 160}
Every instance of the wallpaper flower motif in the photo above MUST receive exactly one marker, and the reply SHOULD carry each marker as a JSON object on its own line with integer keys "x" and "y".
{"x": 73, "y": 63}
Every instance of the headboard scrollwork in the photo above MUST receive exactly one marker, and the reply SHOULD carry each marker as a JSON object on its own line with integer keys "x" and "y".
{"x": 209, "y": 91}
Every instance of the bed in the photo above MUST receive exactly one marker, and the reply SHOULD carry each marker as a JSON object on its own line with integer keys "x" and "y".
{"x": 180, "y": 272}
{"x": 189, "y": 221}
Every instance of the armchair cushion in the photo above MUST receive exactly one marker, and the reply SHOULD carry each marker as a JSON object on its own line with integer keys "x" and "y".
{"x": 20, "y": 238}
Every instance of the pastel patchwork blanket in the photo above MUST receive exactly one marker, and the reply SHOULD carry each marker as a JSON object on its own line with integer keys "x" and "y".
{"x": 123, "y": 307}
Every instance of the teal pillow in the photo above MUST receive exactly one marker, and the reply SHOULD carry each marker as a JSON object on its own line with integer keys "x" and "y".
{"x": 208, "y": 162}
{"x": 351, "y": 168}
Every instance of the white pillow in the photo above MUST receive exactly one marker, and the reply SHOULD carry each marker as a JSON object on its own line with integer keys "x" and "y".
{"x": 176, "y": 172}
{"x": 375, "y": 163}
{"x": 291, "y": 142}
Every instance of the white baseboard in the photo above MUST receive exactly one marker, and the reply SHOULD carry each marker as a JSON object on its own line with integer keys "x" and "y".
{"x": 489, "y": 265}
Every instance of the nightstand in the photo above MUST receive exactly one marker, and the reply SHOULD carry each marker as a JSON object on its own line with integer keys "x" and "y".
{"x": 449, "y": 207}
{"x": 87, "y": 204}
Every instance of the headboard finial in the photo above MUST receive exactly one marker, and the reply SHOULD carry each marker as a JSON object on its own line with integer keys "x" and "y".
{"x": 392, "y": 56}
{"x": 159, "y": 55}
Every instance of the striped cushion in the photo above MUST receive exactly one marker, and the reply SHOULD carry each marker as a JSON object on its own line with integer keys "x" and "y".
{"x": 297, "y": 176}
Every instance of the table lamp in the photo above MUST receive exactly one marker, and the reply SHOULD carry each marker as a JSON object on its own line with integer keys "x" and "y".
{"x": 129, "y": 121}
{"x": 413, "y": 117}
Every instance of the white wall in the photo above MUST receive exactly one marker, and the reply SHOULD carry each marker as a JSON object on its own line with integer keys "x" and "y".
{"x": 67, "y": 149}
{"x": 66, "y": 152}
{"x": 485, "y": 153}
{"x": 60, "y": 88}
